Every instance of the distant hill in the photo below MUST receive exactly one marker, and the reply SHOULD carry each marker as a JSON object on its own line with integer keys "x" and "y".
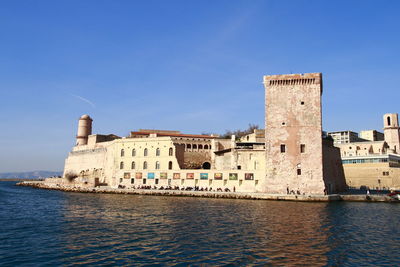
{"x": 29, "y": 175}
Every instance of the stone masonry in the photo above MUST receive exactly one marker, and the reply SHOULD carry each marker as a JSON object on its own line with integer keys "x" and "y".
{"x": 294, "y": 134}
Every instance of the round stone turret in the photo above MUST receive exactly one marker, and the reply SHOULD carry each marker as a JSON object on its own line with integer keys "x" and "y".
{"x": 84, "y": 130}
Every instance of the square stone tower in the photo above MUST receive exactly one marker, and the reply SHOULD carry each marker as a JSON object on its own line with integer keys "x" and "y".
{"x": 293, "y": 133}
{"x": 392, "y": 132}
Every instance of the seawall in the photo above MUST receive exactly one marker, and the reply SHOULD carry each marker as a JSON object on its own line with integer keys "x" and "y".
{"x": 210, "y": 194}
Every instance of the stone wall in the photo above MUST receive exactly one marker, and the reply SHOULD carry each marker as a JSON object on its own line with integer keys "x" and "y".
{"x": 372, "y": 175}
{"x": 238, "y": 180}
{"x": 334, "y": 178}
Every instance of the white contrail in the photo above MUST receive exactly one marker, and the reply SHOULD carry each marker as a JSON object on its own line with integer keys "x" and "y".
{"x": 84, "y": 99}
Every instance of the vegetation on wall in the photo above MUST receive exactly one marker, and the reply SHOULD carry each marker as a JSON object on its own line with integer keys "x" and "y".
{"x": 239, "y": 133}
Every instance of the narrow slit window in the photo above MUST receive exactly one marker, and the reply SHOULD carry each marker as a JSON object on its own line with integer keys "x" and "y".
{"x": 298, "y": 171}
{"x": 283, "y": 148}
{"x": 302, "y": 148}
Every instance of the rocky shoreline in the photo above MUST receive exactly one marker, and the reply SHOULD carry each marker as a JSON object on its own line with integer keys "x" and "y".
{"x": 209, "y": 194}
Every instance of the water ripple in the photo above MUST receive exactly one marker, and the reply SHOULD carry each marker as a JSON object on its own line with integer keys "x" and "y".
{"x": 42, "y": 227}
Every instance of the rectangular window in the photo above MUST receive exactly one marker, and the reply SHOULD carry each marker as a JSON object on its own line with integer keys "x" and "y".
{"x": 302, "y": 148}
{"x": 298, "y": 171}
{"x": 283, "y": 148}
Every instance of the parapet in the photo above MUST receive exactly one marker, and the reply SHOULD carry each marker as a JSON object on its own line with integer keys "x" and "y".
{"x": 293, "y": 79}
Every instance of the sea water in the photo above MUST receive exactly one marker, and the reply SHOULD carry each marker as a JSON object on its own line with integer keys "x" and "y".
{"x": 42, "y": 227}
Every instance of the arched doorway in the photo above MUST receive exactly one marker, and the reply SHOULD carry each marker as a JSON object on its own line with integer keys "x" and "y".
{"x": 206, "y": 165}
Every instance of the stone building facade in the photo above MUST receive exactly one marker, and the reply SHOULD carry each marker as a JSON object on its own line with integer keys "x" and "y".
{"x": 374, "y": 164}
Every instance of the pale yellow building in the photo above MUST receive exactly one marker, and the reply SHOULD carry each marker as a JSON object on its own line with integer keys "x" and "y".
{"x": 372, "y": 135}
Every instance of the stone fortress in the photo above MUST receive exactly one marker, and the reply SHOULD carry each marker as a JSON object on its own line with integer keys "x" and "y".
{"x": 290, "y": 156}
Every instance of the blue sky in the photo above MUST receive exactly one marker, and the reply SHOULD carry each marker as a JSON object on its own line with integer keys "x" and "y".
{"x": 193, "y": 66}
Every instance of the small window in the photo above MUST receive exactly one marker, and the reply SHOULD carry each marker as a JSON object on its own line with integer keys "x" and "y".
{"x": 157, "y": 152}
{"x": 144, "y": 181}
{"x": 283, "y": 148}
{"x": 298, "y": 171}
{"x": 132, "y": 181}
{"x": 157, "y": 165}
{"x": 283, "y": 123}
{"x": 121, "y": 165}
{"x": 205, "y": 146}
{"x": 122, "y": 152}
{"x": 133, "y": 165}
{"x": 133, "y": 152}
{"x": 171, "y": 151}
{"x": 120, "y": 180}
{"x": 170, "y": 165}
{"x": 200, "y": 146}
{"x": 388, "y": 121}
{"x": 188, "y": 146}
{"x": 302, "y": 103}
{"x": 302, "y": 148}
{"x": 194, "y": 146}
{"x": 145, "y": 165}
{"x": 145, "y": 152}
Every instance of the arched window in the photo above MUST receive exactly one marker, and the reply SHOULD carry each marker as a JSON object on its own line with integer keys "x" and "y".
{"x": 133, "y": 152}
{"x": 145, "y": 165}
{"x": 170, "y": 165}
{"x": 121, "y": 165}
{"x": 170, "y": 151}
{"x": 145, "y": 152}
{"x": 205, "y": 146}
{"x": 200, "y": 146}
{"x": 194, "y": 146}
{"x": 122, "y": 152}
{"x": 157, "y": 152}
{"x": 388, "y": 121}
{"x": 188, "y": 146}
{"x": 133, "y": 165}
{"x": 157, "y": 165}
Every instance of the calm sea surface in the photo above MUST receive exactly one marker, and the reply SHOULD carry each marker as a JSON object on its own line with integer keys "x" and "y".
{"x": 40, "y": 227}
